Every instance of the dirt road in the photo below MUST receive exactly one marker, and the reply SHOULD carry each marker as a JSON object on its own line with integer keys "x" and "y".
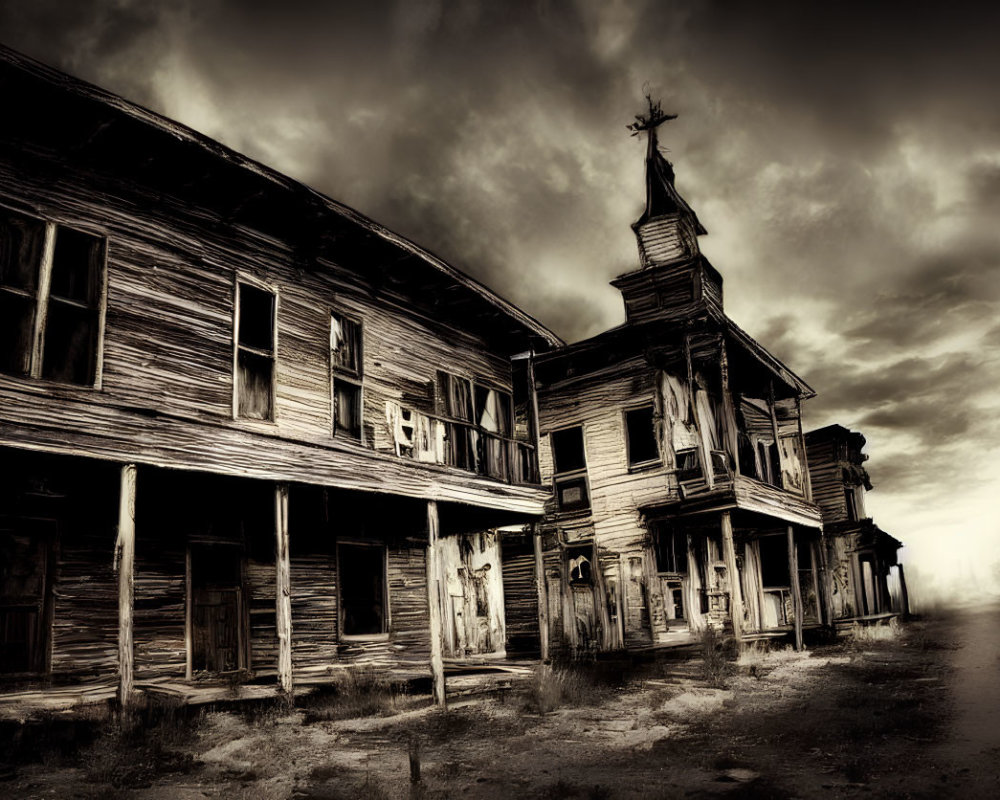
{"x": 895, "y": 715}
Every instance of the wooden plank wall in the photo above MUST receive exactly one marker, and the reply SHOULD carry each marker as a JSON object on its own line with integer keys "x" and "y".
{"x": 520, "y": 594}
{"x": 168, "y": 344}
{"x": 826, "y": 474}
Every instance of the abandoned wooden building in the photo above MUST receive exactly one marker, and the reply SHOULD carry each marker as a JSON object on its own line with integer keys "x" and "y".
{"x": 674, "y": 444}
{"x": 861, "y": 556}
{"x": 248, "y": 436}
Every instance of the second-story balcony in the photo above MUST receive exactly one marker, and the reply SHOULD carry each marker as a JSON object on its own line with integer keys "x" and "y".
{"x": 433, "y": 439}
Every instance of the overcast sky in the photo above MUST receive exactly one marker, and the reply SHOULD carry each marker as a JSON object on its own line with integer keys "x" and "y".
{"x": 844, "y": 158}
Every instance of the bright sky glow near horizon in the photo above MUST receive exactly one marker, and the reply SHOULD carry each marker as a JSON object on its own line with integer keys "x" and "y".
{"x": 844, "y": 157}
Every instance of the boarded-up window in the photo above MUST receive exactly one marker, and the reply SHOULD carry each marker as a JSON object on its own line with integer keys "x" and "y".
{"x": 51, "y": 286}
{"x": 570, "y": 468}
{"x": 255, "y": 353}
{"x": 346, "y": 371}
{"x": 363, "y": 597}
{"x": 641, "y": 437}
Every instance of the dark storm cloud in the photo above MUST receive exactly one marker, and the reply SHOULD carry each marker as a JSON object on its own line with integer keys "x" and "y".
{"x": 845, "y": 158}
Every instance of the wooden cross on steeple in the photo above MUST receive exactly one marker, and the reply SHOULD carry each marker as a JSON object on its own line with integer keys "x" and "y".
{"x": 650, "y": 122}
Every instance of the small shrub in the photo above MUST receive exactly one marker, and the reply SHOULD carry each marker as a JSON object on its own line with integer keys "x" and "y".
{"x": 360, "y": 691}
{"x": 567, "y": 684}
{"x": 718, "y": 653}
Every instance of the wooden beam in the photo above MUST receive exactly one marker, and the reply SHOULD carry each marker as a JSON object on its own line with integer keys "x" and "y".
{"x": 727, "y": 406}
{"x": 434, "y": 602}
{"x": 733, "y": 574}
{"x": 780, "y": 482}
{"x": 695, "y": 621}
{"x": 534, "y": 422}
{"x": 283, "y": 588}
{"x": 806, "y": 478}
{"x": 793, "y": 574}
{"x": 707, "y": 470}
{"x": 125, "y": 564}
{"x": 904, "y": 597}
{"x": 543, "y": 600}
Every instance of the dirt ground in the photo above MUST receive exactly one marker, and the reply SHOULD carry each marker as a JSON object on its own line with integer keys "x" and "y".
{"x": 913, "y": 713}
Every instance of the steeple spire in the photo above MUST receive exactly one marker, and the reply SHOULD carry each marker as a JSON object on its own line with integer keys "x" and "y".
{"x": 668, "y": 227}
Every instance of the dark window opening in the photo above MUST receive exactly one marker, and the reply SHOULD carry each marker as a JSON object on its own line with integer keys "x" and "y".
{"x": 256, "y": 318}
{"x": 671, "y": 549}
{"x": 55, "y": 302}
{"x": 774, "y": 561}
{"x": 567, "y": 450}
{"x": 641, "y": 436}
{"x": 346, "y": 408}
{"x": 362, "y": 589}
{"x": 346, "y": 371}
{"x": 24, "y": 589}
{"x": 688, "y": 465}
{"x": 255, "y": 353}
{"x": 569, "y": 464}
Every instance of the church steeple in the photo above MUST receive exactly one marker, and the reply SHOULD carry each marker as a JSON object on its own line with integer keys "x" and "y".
{"x": 674, "y": 279}
{"x": 668, "y": 229}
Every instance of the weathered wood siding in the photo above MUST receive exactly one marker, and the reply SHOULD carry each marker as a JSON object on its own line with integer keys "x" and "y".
{"x": 520, "y": 592}
{"x": 826, "y": 474}
{"x": 166, "y": 387}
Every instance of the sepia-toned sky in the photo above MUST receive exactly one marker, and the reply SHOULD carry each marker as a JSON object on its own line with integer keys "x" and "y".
{"x": 844, "y": 157}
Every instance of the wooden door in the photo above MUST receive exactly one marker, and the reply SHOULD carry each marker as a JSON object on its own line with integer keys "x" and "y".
{"x": 218, "y": 628}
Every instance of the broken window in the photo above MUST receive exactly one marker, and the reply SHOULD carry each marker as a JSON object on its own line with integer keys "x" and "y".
{"x": 462, "y": 440}
{"x": 494, "y": 416}
{"x": 570, "y": 468}
{"x": 255, "y": 313}
{"x": 363, "y": 596}
{"x": 854, "y": 498}
{"x": 51, "y": 286}
{"x": 640, "y": 432}
{"x": 671, "y": 549}
{"x": 579, "y": 562}
{"x": 346, "y": 372}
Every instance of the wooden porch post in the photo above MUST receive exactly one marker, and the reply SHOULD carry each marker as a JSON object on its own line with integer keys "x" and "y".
{"x": 434, "y": 603}
{"x": 543, "y": 599}
{"x": 793, "y": 572}
{"x": 735, "y": 592}
{"x": 904, "y": 597}
{"x": 283, "y": 588}
{"x": 125, "y": 564}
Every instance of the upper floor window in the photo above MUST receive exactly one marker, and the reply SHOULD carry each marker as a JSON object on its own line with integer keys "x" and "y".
{"x": 569, "y": 465}
{"x": 671, "y": 549}
{"x": 51, "y": 290}
{"x": 640, "y": 441}
{"x": 255, "y": 352}
{"x": 854, "y": 499}
{"x": 346, "y": 372}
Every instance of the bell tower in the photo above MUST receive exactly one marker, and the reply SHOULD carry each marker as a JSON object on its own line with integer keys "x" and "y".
{"x": 674, "y": 279}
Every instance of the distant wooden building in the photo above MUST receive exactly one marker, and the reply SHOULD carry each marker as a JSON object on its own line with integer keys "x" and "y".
{"x": 247, "y": 435}
{"x": 862, "y": 556}
{"x": 674, "y": 447}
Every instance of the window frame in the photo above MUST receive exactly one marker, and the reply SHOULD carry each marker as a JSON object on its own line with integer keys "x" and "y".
{"x": 384, "y": 635}
{"x": 578, "y": 474}
{"x": 649, "y": 463}
{"x": 352, "y": 377}
{"x": 41, "y": 298}
{"x": 248, "y": 280}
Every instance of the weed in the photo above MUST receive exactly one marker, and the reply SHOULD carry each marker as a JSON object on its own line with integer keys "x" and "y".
{"x": 562, "y": 685}
{"x": 360, "y": 691}
{"x": 718, "y": 653}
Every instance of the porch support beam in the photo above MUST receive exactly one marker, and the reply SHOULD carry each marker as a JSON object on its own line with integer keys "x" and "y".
{"x": 125, "y": 565}
{"x": 904, "y": 597}
{"x": 434, "y": 602}
{"x": 735, "y": 593}
{"x": 283, "y": 588}
{"x": 793, "y": 574}
{"x": 543, "y": 599}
